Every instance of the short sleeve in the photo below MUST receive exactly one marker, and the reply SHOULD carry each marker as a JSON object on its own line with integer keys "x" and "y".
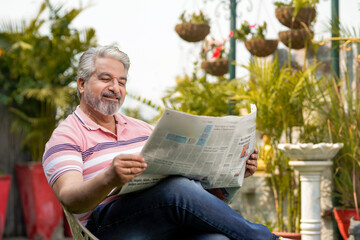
{"x": 62, "y": 154}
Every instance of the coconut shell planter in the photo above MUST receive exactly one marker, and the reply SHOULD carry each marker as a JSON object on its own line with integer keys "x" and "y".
{"x": 261, "y": 47}
{"x": 296, "y": 37}
{"x": 305, "y": 16}
{"x": 218, "y": 67}
{"x": 192, "y": 32}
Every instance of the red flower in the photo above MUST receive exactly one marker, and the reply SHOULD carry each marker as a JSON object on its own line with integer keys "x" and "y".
{"x": 216, "y": 54}
{"x": 231, "y": 33}
{"x": 252, "y": 26}
{"x": 218, "y": 49}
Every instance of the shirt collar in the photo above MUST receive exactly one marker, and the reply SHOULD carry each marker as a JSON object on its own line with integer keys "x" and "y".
{"x": 89, "y": 124}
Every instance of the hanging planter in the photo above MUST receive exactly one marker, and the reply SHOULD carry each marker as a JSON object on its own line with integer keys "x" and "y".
{"x": 192, "y": 32}
{"x": 296, "y": 37}
{"x": 219, "y": 67}
{"x": 253, "y": 37}
{"x": 194, "y": 27}
{"x": 305, "y": 16}
{"x": 261, "y": 47}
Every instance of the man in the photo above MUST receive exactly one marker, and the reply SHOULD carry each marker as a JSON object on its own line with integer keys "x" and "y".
{"x": 96, "y": 150}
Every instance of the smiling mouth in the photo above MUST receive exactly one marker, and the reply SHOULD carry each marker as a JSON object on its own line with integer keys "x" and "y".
{"x": 108, "y": 97}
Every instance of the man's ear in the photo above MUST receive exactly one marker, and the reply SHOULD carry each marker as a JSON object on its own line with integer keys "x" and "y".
{"x": 81, "y": 85}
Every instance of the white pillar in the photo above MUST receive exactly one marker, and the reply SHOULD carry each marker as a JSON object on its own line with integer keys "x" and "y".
{"x": 310, "y": 178}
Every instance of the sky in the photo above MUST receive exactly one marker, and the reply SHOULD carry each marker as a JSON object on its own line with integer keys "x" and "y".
{"x": 144, "y": 29}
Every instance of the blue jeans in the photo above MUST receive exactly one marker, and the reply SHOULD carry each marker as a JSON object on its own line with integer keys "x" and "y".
{"x": 176, "y": 208}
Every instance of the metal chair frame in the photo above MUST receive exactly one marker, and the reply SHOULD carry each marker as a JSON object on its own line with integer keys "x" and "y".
{"x": 78, "y": 230}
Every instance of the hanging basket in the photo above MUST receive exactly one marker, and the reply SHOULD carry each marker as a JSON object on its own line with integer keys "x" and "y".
{"x": 306, "y": 15}
{"x": 297, "y": 37}
{"x": 192, "y": 32}
{"x": 218, "y": 67}
{"x": 261, "y": 47}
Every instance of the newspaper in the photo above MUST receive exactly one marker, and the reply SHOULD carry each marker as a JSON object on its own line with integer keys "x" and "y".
{"x": 212, "y": 150}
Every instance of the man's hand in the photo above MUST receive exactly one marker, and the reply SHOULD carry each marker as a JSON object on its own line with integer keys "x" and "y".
{"x": 251, "y": 164}
{"x": 125, "y": 167}
{"x": 79, "y": 196}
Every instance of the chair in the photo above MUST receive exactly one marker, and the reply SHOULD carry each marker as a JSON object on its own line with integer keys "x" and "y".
{"x": 78, "y": 230}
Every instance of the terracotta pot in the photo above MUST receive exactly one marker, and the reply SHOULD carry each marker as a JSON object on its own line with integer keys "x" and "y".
{"x": 290, "y": 235}
{"x": 42, "y": 211}
{"x": 342, "y": 217}
{"x": 192, "y": 32}
{"x": 261, "y": 47}
{"x": 305, "y": 16}
{"x": 5, "y": 183}
{"x": 296, "y": 37}
{"x": 218, "y": 67}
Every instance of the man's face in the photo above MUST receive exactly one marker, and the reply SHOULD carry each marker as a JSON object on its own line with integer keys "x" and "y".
{"x": 105, "y": 90}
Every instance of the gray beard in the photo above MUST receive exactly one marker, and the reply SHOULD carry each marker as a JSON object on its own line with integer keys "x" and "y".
{"x": 104, "y": 107}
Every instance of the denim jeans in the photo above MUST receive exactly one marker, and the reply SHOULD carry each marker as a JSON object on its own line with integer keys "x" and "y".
{"x": 176, "y": 208}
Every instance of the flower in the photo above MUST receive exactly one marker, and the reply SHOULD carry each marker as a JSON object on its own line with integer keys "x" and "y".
{"x": 231, "y": 34}
{"x": 252, "y": 26}
{"x": 215, "y": 49}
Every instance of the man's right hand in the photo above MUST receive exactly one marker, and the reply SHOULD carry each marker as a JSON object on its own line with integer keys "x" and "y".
{"x": 79, "y": 196}
{"x": 125, "y": 167}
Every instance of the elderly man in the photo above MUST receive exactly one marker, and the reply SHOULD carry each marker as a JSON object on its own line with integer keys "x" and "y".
{"x": 96, "y": 150}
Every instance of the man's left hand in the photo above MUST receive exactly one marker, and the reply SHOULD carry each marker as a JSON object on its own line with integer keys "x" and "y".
{"x": 251, "y": 164}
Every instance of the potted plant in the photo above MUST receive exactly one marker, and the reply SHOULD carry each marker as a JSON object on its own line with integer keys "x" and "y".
{"x": 193, "y": 28}
{"x": 338, "y": 104}
{"x": 36, "y": 73}
{"x": 335, "y": 112}
{"x": 278, "y": 93}
{"x": 5, "y": 182}
{"x": 296, "y": 14}
{"x": 215, "y": 57}
{"x": 257, "y": 45}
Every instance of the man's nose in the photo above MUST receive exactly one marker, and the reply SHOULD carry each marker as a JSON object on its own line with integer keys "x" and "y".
{"x": 114, "y": 86}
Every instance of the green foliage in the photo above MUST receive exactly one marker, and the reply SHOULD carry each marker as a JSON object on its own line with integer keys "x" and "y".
{"x": 338, "y": 104}
{"x": 199, "y": 18}
{"x": 135, "y": 113}
{"x": 256, "y": 32}
{"x": 38, "y": 72}
{"x": 200, "y": 97}
{"x": 296, "y": 3}
{"x": 278, "y": 93}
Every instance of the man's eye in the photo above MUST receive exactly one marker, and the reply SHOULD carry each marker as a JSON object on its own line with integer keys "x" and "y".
{"x": 105, "y": 79}
{"x": 122, "y": 83}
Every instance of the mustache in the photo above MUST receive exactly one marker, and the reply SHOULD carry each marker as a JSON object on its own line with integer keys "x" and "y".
{"x": 110, "y": 94}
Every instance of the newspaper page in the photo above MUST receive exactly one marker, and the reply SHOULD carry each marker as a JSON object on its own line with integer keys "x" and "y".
{"x": 212, "y": 150}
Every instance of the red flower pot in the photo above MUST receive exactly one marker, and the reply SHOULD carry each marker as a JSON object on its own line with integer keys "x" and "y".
{"x": 290, "y": 235}
{"x": 42, "y": 211}
{"x": 5, "y": 182}
{"x": 342, "y": 217}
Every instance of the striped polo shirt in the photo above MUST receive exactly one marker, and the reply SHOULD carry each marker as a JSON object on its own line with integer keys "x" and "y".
{"x": 80, "y": 144}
